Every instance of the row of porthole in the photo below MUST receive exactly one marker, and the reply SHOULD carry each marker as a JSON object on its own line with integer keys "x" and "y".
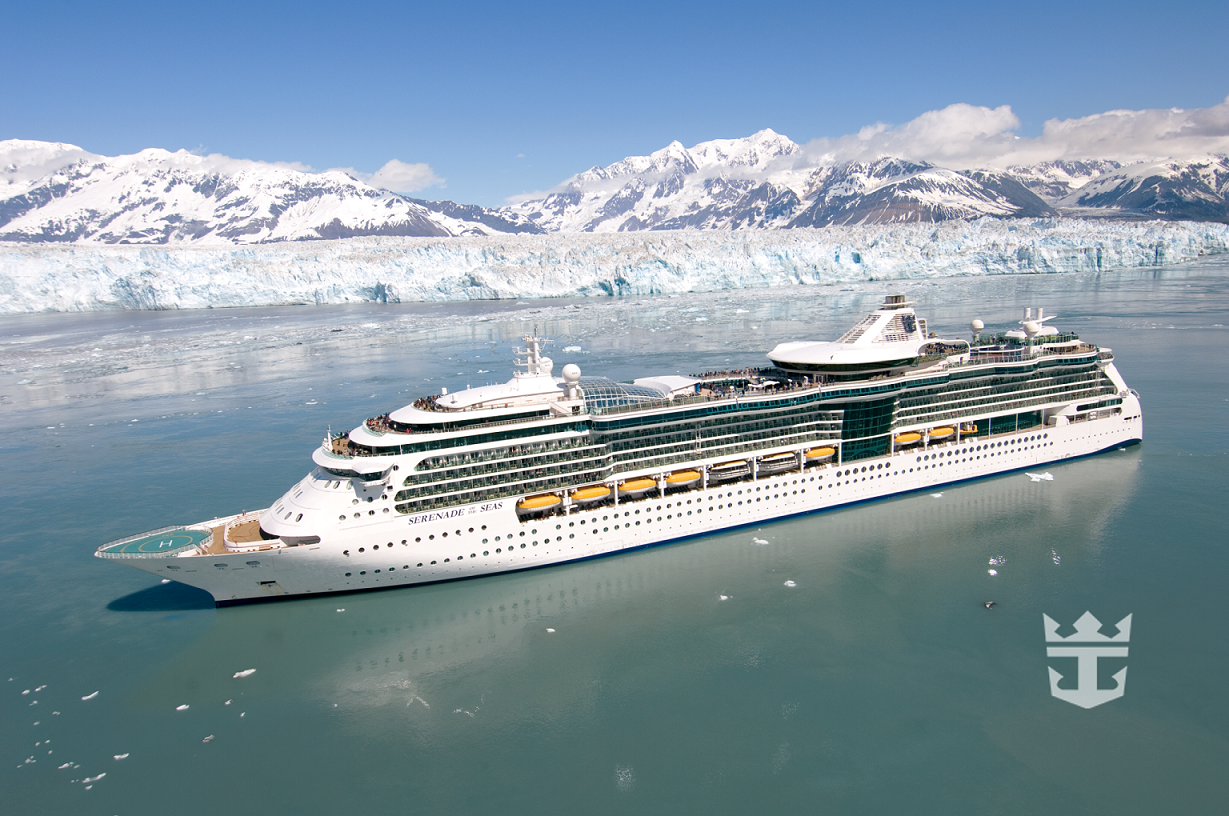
{"x": 730, "y": 494}
{"x": 448, "y": 560}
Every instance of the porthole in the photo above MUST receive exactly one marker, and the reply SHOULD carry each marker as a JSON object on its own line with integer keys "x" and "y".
{"x": 523, "y": 532}
{"x": 445, "y": 560}
{"x": 471, "y": 529}
{"x": 523, "y": 545}
{"x": 347, "y": 575}
{"x": 443, "y": 535}
{"x": 433, "y": 563}
{"x": 376, "y": 547}
{"x": 362, "y": 572}
{"x": 420, "y": 563}
{"x": 418, "y": 540}
{"x": 486, "y": 552}
{"x": 362, "y": 549}
{"x": 342, "y": 517}
{"x": 358, "y": 515}
{"x": 431, "y": 537}
{"x": 354, "y": 501}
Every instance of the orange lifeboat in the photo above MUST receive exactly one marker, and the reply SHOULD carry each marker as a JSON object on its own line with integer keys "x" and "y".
{"x": 906, "y": 439}
{"x": 635, "y": 488}
{"x": 683, "y": 478}
{"x": 588, "y": 495}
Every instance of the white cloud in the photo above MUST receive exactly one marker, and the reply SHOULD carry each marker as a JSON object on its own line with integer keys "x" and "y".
{"x": 536, "y": 195}
{"x": 400, "y": 177}
{"x": 965, "y": 136}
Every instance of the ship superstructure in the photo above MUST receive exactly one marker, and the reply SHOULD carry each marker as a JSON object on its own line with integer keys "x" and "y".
{"x": 543, "y": 469}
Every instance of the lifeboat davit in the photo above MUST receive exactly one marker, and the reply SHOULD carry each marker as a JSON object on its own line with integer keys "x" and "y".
{"x": 588, "y": 495}
{"x": 537, "y": 504}
{"x": 816, "y": 455}
{"x": 682, "y": 478}
{"x": 906, "y": 439}
{"x": 968, "y": 428}
{"x": 941, "y": 434}
{"x": 635, "y": 488}
{"x": 778, "y": 462}
{"x": 729, "y": 470}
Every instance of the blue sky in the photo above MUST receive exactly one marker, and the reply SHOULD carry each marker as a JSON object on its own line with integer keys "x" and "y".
{"x": 504, "y": 98}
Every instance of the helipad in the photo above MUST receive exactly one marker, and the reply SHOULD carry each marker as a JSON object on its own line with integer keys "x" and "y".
{"x": 163, "y": 543}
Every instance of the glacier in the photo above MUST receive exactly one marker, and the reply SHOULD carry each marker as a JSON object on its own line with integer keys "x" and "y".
{"x": 75, "y": 277}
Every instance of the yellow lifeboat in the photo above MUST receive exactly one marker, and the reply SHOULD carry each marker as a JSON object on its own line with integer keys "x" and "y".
{"x": 940, "y": 434}
{"x": 906, "y": 439}
{"x": 682, "y": 478}
{"x": 637, "y": 487}
{"x": 586, "y": 495}
{"x": 533, "y": 503}
{"x": 820, "y": 454}
{"x": 968, "y": 428}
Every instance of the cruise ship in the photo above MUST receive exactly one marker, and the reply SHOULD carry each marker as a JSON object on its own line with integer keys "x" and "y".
{"x": 542, "y": 470}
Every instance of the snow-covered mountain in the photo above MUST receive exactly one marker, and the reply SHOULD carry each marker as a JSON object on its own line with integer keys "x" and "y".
{"x": 51, "y": 192}
{"x": 1194, "y": 189}
{"x": 765, "y": 181}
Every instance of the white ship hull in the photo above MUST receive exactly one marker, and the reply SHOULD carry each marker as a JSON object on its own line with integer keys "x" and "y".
{"x": 406, "y": 550}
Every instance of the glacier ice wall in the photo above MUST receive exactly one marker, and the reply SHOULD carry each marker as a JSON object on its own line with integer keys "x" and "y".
{"x": 47, "y": 277}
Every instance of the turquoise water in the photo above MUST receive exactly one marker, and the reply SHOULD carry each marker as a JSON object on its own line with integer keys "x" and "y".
{"x": 879, "y": 683}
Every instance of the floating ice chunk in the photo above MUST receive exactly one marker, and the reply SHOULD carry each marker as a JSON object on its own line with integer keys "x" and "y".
{"x": 121, "y": 756}
{"x": 27, "y": 691}
{"x": 551, "y": 631}
{"x": 241, "y": 713}
{"x": 244, "y": 673}
{"x": 65, "y": 765}
{"x": 723, "y": 597}
{"x": 993, "y": 572}
{"x": 998, "y": 561}
{"x": 571, "y": 348}
{"x": 183, "y": 707}
{"x": 90, "y": 696}
{"x": 759, "y": 541}
{"x": 1056, "y": 557}
{"x": 228, "y": 702}
{"x": 166, "y": 580}
{"x": 341, "y": 610}
{"x": 208, "y": 738}
{"x": 936, "y": 495}
{"x": 790, "y": 584}
{"x": 91, "y": 780}
{"x": 1041, "y": 477}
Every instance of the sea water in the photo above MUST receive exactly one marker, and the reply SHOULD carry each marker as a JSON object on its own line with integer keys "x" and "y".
{"x": 839, "y": 662}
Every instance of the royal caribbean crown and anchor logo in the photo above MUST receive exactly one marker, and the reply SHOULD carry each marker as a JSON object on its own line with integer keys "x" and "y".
{"x": 1092, "y": 645}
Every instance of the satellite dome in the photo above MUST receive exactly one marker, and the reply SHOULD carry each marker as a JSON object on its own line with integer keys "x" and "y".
{"x": 977, "y": 325}
{"x": 1031, "y": 328}
{"x": 545, "y": 364}
{"x": 571, "y": 373}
